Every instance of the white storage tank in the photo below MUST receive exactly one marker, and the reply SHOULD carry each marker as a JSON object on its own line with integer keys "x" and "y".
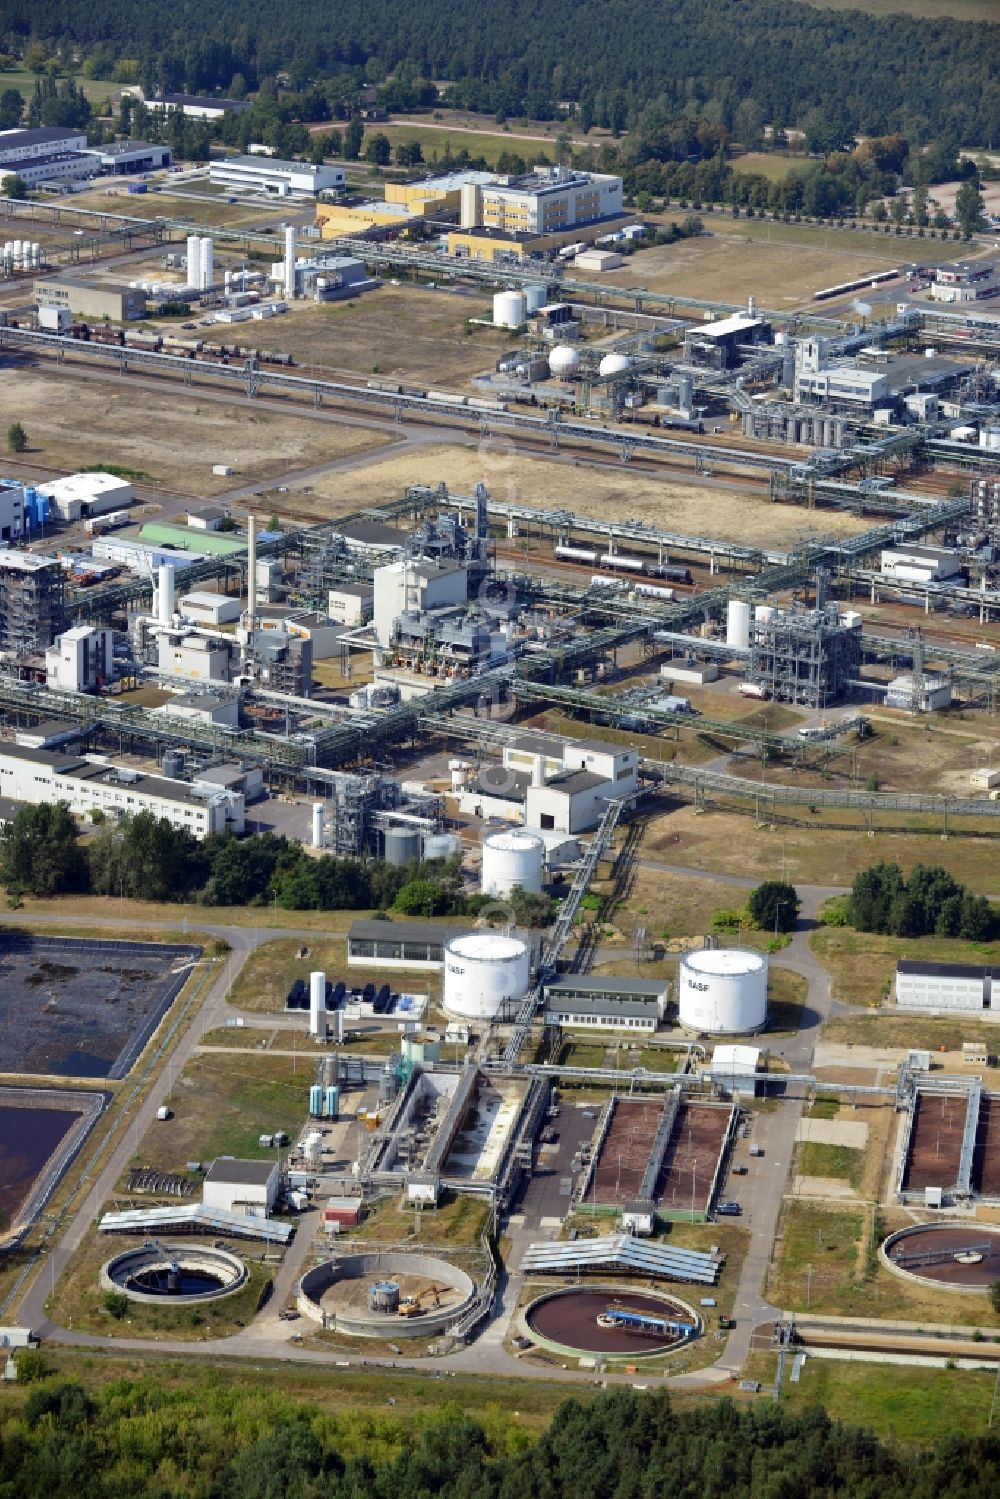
{"x": 536, "y": 295}
{"x": 564, "y": 361}
{"x": 723, "y": 990}
{"x": 614, "y": 364}
{"x": 738, "y": 624}
{"x": 512, "y": 858}
{"x": 763, "y": 612}
{"x": 441, "y": 845}
{"x": 318, "y": 818}
{"x": 509, "y": 309}
{"x": 483, "y": 973}
{"x": 402, "y": 847}
{"x": 317, "y": 1004}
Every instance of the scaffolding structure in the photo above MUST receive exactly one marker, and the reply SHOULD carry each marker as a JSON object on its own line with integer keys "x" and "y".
{"x": 806, "y": 656}
{"x": 32, "y": 602}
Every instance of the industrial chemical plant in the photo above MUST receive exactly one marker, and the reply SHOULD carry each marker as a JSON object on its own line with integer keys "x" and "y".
{"x": 551, "y": 1082}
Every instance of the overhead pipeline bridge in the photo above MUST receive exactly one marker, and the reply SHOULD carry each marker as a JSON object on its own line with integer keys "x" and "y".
{"x": 253, "y": 380}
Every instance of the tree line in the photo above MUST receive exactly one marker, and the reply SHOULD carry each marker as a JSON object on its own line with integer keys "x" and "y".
{"x": 930, "y": 903}
{"x": 145, "y": 858}
{"x": 723, "y": 63}
{"x": 132, "y": 1438}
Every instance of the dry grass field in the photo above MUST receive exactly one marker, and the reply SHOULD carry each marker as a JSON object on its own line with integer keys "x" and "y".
{"x": 154, "y": 204}
{"x": 556, "y": 484}
{"x": 418, "y": 337}
{"x": 725, "y": 842}
{"x": 72, "y": 423}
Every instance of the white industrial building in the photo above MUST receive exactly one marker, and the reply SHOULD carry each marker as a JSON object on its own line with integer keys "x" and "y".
{"x": 415, "y": 585}
{"x": 122, "y": 157}
{"x": 13, "y": 524}
{"x": 80, "y": 659}
{"x": 194, "y": 106}
{"x": 203, "y": 707}
{"x": 920, "y": 564}
{"x": 739, "y": 1069}
{"x": 399, "y": 944}
{"x": 203, "y": 607}
{"x": 18, "y": 146}
{"x": 923, "y": 695}
{"x": 246, "y": 1187}
{"x": 276, "y": 178}
{"x": 722, "y": 990}
{"x": 191, "y": 657}
{"x": 543, "y": 201}
{"x": 80, "y": 496}
{"x": 142, "y": 556}
{"x": 87, "y": 784}
{"x": 351, "y": 603}
{"x": 817, "y": 380}
{"x": 945, "y": 986}
{"x": 586, "y": 1002}
{"x": 551, "y": 786}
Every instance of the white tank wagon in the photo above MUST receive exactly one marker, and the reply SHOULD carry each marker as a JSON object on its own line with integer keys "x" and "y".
{"x": 723, "y": 990}
{"x": 510, "y": 859}
{"x": 483, "y": 973}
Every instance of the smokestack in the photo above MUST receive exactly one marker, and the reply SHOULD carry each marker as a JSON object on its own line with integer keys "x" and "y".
{"x": 538, "y": 770}
{"x": 251, "y": 569}
{"x": 165, "y": 594}
{"x": 317, "y": 824}
{"x": 290, "y": 263}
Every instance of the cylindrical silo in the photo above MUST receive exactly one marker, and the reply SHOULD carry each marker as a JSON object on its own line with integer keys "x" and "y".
{"x": 383, "y": 1296}
{"x": 512, "y": 858}
{"x": 317, "y": 1004}
{"x": 318, "y": 812}
{"x": 441, "y": 845}
{"x": 738, "y": 624}
{"x": 312, "y": 1148}
{"x": 194, "y": 261}
{"x": 685, "y": 392}
{"x": 723, "y": 990}
{"x": 337, "y": 1035}
{"x": 763, "y": 612}
{"x": 289, "y": 265}
{"x": 484, "y": 973}
{"x": 332, "y": 1103}
{"x": 316, "y": 1100}
{"x": 165, "y": 594}
{"x": 509, "y": 309}
{"x": 207, "y": 263}
{"x": 536, "y": 294}
{"x": 402, "y": 846}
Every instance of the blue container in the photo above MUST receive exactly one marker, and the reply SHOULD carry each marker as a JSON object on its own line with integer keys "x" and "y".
{"x": 316, "y": 1101}
{"x": 332, "y": 1103}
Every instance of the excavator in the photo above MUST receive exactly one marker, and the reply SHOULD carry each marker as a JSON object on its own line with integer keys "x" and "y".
{"x": 412, "y": 1306}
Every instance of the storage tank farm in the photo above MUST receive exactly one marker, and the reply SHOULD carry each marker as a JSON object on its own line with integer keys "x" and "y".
{"x": 723, "y": 991}
{"x": 483, "y": 973}
{"x": 510, "y": 859}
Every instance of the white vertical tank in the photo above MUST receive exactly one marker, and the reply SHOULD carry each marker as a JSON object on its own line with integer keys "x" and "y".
{"x": 317, "y": 1004}
{"x": 738, "y": 624}
{"x": 509, "y": 309}
{"x": 317, "y": 824}
{"x": 483, "y": 973}
{"x": 165, "y": 594}
{"x": 207, "y": 263}
{"x": 194, "y": 261}
{"x": 723, "y": 990}
{"x": 290, "y": 242}
{"x": 535, "y": 296}
{"x": 512, "y": 858}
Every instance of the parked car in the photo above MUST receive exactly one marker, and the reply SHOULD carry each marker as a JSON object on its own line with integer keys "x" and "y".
{"x": 729, "y": 1210}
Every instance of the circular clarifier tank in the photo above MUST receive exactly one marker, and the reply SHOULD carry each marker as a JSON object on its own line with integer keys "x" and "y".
{"x": 951, "y": 1256}
{"x": 182, "y": 1274}
{"x": 611, "y": 1320}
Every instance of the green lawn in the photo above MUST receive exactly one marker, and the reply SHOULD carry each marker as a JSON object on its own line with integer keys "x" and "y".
{"x": 98, "y": 91}
{"x": 830, "y": 1160}
{"x": 912, "y": 1405}
{"x": 477, "y": 142}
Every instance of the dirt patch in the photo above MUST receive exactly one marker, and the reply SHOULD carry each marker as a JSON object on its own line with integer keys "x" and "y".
{"x": 691, "y": 509}
{"x": 72, "y": 423}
